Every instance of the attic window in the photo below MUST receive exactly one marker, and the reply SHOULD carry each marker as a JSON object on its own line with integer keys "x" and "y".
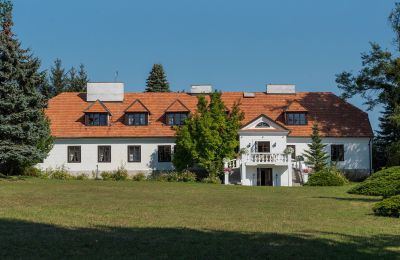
{"x": 296, "y": 118}
{"x": 136, "y": 118}
{"x": 176, "y": 118}
{"x": 96, "y": 119}
{"x": 262, "y": 125}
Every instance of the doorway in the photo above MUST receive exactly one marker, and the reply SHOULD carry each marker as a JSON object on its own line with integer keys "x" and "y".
{"x": 264, "y": 177}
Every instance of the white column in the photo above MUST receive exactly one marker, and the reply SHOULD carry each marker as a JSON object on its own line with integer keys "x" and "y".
{"x": 226, "y": 173}
{"x": 242, "y": 172}
{"x": 290, "y": 170}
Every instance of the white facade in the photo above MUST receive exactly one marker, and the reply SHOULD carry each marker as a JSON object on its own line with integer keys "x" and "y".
{"x": 58, "y": 156}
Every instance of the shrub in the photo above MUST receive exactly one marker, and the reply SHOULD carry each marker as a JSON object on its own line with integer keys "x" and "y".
{"x": 59, "y": 173}
{"x": 212, "y": 179}
{"x": 384, "y": 183}
{"x": 187, "y": 176}
{"x": 121, "y": 174}
{"x": 139, "y": 177}
{"x": 33, "y": 172}
{"x": 173, "y": 176}
{"x": 327, "y": 177}
{"x": 107, "y": 175}
{"x": 389, "y": 207}
{"x": 82, "y": 176}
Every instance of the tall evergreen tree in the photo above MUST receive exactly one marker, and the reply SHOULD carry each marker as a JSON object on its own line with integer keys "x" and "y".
{"x": 315, "y": 154}
{"x": 24, "y": 129}
{"x": 157, "y": 80}
{"x": 378, "y": 82}
{"x": 76, "y": 81}
{"x": 208, "y": 136}
{"x": 57, "y": 78}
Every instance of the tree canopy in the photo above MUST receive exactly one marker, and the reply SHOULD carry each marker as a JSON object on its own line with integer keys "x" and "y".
{"x": 315, "y": 154}
{"x": 157, "y": 80}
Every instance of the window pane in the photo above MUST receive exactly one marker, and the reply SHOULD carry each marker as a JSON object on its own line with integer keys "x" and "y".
{"x": 177, "y": 118}
{"x": 164, "y": 153}
{"x": 74, "y": 154}
{"x": 134, "y": 153}
{"x": 104, "y": 154}
{"x": 296, "y": 118}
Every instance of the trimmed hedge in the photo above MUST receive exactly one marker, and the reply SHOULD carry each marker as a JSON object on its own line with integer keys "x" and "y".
{"x": 388, "y": 207}
{"x": 327, "y": 177}
{"x": 384, "y": 183}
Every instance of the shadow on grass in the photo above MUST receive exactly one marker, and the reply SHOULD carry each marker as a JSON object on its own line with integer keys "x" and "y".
{"x": 375, "y": 199}
{"x": 20, "y": 239}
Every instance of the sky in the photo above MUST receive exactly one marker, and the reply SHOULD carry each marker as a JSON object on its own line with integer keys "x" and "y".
{"x": 232, "y": 45}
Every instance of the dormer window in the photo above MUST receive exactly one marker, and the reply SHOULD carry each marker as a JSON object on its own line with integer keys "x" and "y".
{"x": 262, "y": 125}
{"x": 296, "y": 118}
{"x": 136, "y": 118}
{"x": 176, "y": 118}
{"x": 97, "y": 119}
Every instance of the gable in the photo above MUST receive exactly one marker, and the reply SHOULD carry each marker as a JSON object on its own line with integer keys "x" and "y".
{"x": 263, "y": 123}
{"x": 137, "y": 106}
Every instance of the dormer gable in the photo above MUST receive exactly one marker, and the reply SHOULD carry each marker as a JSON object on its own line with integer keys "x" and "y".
{"x": 136, "y": 114}
{"x": 295, "y": 114}
{"x": 263, "y": 123}
{"x": 137, "y": 106}
{"x": 177, "y": 106}
{"x": 97, "y": 114}
{"x": 176, "y": 113}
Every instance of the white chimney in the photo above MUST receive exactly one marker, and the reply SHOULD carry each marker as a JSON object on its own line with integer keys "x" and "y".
{"x": 201, "y": 89}
{"x": 281, "y": 89}
{"x": 105, "y": 91}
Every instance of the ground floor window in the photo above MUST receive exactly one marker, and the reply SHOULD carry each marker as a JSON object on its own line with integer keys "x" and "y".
{"x": 337, "y": 152}
{"x": 74, "y": 154}
{"x": 104, "y": 153}
{"x": 134, "y": 153}
{"x": 164, "y": 153}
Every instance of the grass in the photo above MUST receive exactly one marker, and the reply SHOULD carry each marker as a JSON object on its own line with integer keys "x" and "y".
{"x": 98, "y": 219}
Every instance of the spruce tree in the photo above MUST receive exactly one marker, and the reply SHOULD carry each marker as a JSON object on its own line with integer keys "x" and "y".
{"x": 315, "y": 155}
{"x": 157, "y": 80}
{"x": 24, "y": 129}
{"x": 76, "y": 81}
{"x": 57, "y": 78}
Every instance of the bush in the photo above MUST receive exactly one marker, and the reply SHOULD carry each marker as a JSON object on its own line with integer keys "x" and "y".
{"x": 82, "y": 176}
{"x": 32, "y": 172}
{"x": 388, "y": 207}
{"x": 59, "y": 173}
{"x": 384, "y": 183}
{"x": 212, "y": 179}
{"x": 139, "y": 177}
{"x": 173, "y": 176}
{"x": 121, "y": 174}
{"x": 107, "y": 175}
{"x": 327, "y": 177}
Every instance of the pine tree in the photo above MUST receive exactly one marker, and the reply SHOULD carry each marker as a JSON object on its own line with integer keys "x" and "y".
{"x": 208, "y": 136}
{"x": 24, "y": 129}
{"x": 157, "y": 80}
{"x": 57, "y": 78}
{"x": 71, "y": 80}
{"x": 76, "y": 81}
{"x": 315, "y": 155}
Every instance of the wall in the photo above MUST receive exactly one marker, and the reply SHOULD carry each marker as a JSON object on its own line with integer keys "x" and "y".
{"x": 119, "y": 155}
{"x": 279, "y": 175}
{"x": 277, "y": 141}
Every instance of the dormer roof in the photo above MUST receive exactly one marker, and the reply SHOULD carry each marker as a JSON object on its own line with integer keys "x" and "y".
{"x": 295, "y": 106}
{"x": 137, "y": 106}
{"x": 97, "y": 107}
{"x": 177, "y": 106}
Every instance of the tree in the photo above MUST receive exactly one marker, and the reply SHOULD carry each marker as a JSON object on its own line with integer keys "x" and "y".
{"x": 76, "y": 81}
{"x": 378, "y": 82}
{"x": 24, "y": 128}
{"x": 157, "y": 80}
{"x": 57, "y": 78}
{"x": 208, "y": 136}
{"x": 315, "y": 155}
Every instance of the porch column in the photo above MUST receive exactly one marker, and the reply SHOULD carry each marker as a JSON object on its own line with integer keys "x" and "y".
{"x": 242, "y": 172}
{"x": 290, "y": 171}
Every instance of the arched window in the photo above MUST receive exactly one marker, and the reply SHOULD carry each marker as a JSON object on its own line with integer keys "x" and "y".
{"x": 262, "y": 125}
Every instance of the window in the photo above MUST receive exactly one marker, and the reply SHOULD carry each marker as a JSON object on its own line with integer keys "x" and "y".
{"x": 96, "y": 119}
{"x": 262, "y": 125}
{"x": 263, "y": 147}
{"x": 104, "y": 153}
{"x": 134, "y": 153}
{"x": 176, "y": 118}
{"x": 74, "y": 154}
{"x": 337, "y": 152}
{"x": 136, "y": 118}
{"x": 164, "y": 153}
{"x": 296, "y": 118}
{"x": 294, "y": 151}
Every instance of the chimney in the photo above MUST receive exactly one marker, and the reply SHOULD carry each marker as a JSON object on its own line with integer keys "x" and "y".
{"x": 201, "y": 89}
{"x": 105, "y": 91}
{"x": 281, "y": 89}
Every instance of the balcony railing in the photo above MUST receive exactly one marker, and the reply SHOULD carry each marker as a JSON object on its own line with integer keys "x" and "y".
{"x": 270, "y": 158}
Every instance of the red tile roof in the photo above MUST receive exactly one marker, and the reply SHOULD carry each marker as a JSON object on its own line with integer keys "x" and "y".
{"x": 97, "y": 107}
{"x": 177, "y": 106}
{"x": 137, "y": 106}
{"x": 336, "y": 117}
{"x": 295, "y": 106}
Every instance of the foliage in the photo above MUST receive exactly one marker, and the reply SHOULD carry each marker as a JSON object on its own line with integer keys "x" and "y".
{"x": 24, "y": 128}
{"x": 157, "y": 80}
{"x": 121, "y": 174}
{"x": 59, "y": 173}
{"x": 139, "y": 177}
{"x": 32, "y": 172}
{"x": 173, "y": 176}
{"x": 327, "y": 177}
{"x": 378, "y": 82}
{"x": 82, "y": 176}
{"x": 315, "y": 155}
{"x": 384, "y": 183}
{"x": 208, "y": 136}
{"x": 107, "y": 175}
{"x": 212, "y": 180}
{"x": 57, "y": 78}
{"x": 76, "y": 81}
{"x": 389, "y": 207}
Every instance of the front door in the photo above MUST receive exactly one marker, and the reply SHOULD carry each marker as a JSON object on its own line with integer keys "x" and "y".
{"x": 264, "y": 176}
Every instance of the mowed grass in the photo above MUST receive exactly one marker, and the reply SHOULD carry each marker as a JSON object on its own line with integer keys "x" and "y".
{"x": 106, "y": 219}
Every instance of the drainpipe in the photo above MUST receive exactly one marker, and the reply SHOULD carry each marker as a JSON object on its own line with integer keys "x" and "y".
{"x": 370, "y": 155}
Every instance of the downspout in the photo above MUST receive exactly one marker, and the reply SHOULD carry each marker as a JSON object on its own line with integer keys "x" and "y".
{"x": 370, "y": 155}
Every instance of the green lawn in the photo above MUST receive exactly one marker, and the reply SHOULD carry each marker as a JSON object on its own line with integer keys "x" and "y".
{"x": 98, "y": 219}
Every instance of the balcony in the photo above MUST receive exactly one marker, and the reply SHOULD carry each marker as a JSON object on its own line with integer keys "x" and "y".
{"x": 266, "y": 159}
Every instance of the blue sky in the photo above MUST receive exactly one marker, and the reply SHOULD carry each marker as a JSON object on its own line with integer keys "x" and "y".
{"x": 233, "y": 45}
